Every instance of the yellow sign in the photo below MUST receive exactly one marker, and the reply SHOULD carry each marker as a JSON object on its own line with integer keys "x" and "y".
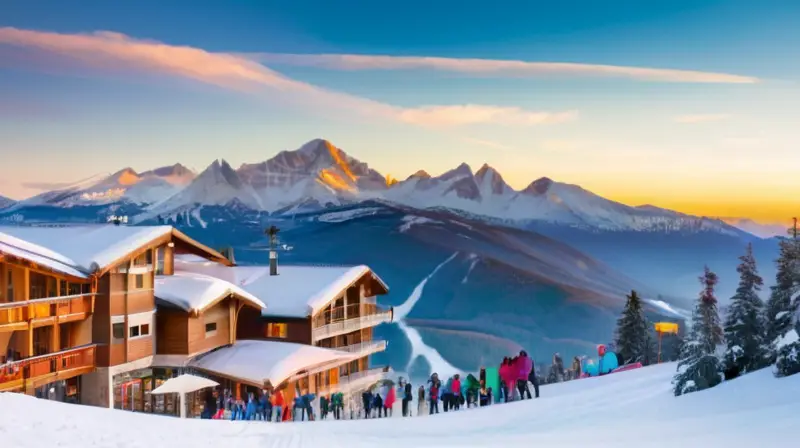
{"x": 667, "y": 327}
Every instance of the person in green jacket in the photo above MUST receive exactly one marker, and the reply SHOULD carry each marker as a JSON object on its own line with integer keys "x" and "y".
{"x": 337, "y": 404}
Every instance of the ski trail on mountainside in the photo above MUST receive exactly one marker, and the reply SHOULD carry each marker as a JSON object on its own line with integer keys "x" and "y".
{"x": 418, "y": 347}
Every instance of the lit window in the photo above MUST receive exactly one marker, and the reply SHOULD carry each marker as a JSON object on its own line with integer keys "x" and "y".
{"x": 277, "y": 330}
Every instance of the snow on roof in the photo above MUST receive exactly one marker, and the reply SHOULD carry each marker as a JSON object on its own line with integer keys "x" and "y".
{"x": 85, "y": 248}
{"x": 184, "y": 384}
{"x": 40, "y": 255}
{"x": 301, "y": 291}
{"x": 195, "y": 292}
{"x": 259, "y": 362}
{"x": 297, "y": 291}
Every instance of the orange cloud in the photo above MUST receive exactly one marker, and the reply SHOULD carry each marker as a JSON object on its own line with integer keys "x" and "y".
{"x": 114, "y": 51}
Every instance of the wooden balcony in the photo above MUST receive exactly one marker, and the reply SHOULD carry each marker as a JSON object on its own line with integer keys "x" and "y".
{"x": 51, "y": 310}
{"x": 37, "y": 371}
{"x": 349, "y": 318}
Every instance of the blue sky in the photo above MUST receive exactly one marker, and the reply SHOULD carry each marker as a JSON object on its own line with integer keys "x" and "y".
{"x": 724, "y": 146}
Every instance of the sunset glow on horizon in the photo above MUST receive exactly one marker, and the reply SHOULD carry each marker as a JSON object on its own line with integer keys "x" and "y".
{"x": 687, "y": 106}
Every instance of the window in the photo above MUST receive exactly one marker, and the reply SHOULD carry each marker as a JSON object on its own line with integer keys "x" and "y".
{"x": 160, "y": 254}
{"x": 211, "y": 329}
{"x": 118, "y": 330}
{"x": 141, "y": 260}
{"x": 134, "y": 331}
{"x": 145, "y": 329}
{"x": 275, "y": 330}
{"x": 139, "y": 281}
{"x": 10, "y": 289}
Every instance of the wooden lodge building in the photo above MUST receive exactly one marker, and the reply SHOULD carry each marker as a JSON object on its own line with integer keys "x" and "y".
{"x": 102, "y": 315}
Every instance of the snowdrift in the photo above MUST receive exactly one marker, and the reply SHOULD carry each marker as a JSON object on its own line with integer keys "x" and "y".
{"x": 627, "y": 409}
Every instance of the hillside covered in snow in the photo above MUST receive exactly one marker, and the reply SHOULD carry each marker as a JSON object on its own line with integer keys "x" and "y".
{"x": 628, "y": 409}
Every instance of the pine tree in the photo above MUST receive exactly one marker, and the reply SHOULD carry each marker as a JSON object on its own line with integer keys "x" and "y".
{"x": 632, "y": 331}
{"x": 744, "y": 325}
{"x": 780, "y": 307}
{"x": 788, "y": 348}
{"x": 699, "y": 367}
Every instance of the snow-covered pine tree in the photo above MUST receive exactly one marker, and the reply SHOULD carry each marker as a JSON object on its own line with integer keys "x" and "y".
{"x": 788, "y": 347}
{"x": 744, "y": 325}
{"x": 780, "y": 308}
{"x": 699, "y": 367}
{"x": 632, "y": 331}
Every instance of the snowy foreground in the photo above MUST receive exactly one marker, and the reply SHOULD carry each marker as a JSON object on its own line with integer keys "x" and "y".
{"x": 629, "y": 409}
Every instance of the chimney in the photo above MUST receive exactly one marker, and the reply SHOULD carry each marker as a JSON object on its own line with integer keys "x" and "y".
{"x": 272, "y": 231}
{"x": 227, "y": 252}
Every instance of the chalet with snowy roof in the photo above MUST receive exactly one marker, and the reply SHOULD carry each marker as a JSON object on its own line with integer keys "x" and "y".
{"x": 322, "y": 306}
{"x": 103, "y": 315}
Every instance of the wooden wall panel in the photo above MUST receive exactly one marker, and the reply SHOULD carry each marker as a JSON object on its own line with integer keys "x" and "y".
{"x": 116, "y": 354}
{"x": 172, "y": 332}
{"x": 101, "y": 319}
{"x": 140, "y": 301}
{"x": 197, "y": 328}
{"x": 117, "y": 287}
{"x": 139, "y": 348}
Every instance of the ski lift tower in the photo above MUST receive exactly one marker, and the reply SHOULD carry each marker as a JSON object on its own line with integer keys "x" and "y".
{"x": 272, "y": 232}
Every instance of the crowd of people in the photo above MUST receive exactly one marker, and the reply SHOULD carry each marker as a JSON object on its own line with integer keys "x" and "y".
{"x": 515, "y": 377}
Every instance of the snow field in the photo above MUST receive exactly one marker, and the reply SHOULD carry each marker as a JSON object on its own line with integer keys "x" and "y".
{"x": 628, "y": 409}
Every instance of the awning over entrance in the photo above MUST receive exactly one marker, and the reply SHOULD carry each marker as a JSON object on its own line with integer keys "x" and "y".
{"x": 261, "y": 363}
{"x": 184, "y": 384}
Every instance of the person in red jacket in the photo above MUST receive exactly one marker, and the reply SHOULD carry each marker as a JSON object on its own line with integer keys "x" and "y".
{"x": 505, "y": 380}
{"x": 525, "y": 365}
{"x": 455, "y": 389}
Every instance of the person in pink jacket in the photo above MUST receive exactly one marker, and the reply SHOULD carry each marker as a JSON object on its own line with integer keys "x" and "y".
{"x": 508, "y": 378}
{"x": 455, "y": 389}
{"x": 524, "y": 366}
{"x": 388, "y": 403}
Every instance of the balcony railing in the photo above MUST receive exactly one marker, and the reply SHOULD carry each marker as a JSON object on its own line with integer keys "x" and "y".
{"x": 14, "y": 374}
{"x": 22, "y": 312}
{"x": 362, "y": 320}
{"x": 365, "y": 348}
{"x": 355, "y": 381}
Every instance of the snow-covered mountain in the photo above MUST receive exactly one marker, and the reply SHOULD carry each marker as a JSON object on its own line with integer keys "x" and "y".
{"x": 126, "y": 185}
{"x": 317, "y": 172}
{"x": 319, "y": 175}
{"x": 219, "y": 184}
{"x": 6, "y": 202}
{"x": 756, "y": 228}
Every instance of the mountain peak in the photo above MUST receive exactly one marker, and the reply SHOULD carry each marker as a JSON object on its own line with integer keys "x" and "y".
{"x": 421, "y": 174}
{"x": 539, "y": 186}
{"x": 491, "y": 180}
{"x": 461, "y": 170}
{"x": 126, "y": 177}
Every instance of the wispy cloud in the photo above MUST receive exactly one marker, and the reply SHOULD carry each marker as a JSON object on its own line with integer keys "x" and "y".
{"x": 497, "y": 68}
{"x": 486, "y": 143}
{"x": 115, "y": 52}
{"x": 476, "y": 114}
{"x": 701, "y": 118}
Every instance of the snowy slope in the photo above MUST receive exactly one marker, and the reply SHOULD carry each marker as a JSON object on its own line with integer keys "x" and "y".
{"x": 629, "y": 409}
{"x": 125, "y": 185}
{"x": 756, "y": 228}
